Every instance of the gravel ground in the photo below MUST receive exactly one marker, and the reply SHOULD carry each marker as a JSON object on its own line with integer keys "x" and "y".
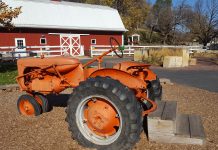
{"x": 49, "y": 131}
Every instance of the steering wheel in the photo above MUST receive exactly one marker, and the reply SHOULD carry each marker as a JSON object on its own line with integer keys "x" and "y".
{"x": 112, "y": 41}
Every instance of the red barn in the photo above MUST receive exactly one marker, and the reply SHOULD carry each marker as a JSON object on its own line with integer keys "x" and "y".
{"x": 74, "y": 26}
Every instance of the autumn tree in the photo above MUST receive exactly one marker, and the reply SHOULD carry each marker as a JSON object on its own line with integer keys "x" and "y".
{"x": 7, "y": 14}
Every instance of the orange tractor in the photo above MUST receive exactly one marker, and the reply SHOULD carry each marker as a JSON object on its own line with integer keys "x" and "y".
{"x": 107, "y": 105}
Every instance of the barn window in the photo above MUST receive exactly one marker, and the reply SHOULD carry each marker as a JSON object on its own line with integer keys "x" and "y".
{"x": 43, "y": 41}
{"x": 93, "y": 41}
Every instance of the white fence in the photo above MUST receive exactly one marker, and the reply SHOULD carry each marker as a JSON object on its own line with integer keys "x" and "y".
{"x": 97, "y": 50}
{"x": 35, "y": 51}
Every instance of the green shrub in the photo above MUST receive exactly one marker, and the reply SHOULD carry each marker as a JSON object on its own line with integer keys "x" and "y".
{"x": 8, "y": 73}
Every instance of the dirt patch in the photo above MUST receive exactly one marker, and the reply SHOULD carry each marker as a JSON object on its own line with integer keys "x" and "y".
{"x": 50, "y": 131}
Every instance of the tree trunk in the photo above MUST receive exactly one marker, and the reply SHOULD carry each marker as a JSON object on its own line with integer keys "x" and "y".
{"x": 164, "y": 39}
{"x": 150, "y": 36}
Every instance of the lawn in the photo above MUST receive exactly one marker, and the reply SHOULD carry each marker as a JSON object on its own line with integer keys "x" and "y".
{"x": 8, "y": 72}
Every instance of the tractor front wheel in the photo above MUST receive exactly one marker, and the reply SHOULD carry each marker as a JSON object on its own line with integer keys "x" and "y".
{"x": 104, "y": 114}
{"x": 43, "y": 101}
{"x": 28, "y": 106}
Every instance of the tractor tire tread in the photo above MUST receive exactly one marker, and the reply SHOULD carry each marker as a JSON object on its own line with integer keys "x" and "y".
{"x": 128, "y": 103}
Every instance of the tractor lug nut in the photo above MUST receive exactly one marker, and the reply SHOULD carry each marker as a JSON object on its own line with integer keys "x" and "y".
{"x": 117, "y": 116}
{"x": 94, "y": 100}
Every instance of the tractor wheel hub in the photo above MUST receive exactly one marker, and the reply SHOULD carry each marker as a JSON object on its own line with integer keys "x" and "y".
{"x": 26, "y": 108}
{"x": 101, "y": 117}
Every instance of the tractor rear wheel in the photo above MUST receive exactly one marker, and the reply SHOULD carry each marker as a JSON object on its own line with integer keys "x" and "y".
{"x": 104, "y": 114}
{"x": 43, "y": 101}
{"x": 28, "y": 106}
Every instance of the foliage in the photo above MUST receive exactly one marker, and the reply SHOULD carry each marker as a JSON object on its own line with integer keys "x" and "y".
{"x": 145, "y": 36}
{"x": 133, "y": 13}
{"x": 156, "y": 56}
{"x": 160, "y": 23}
{"x": 8, "y": 72}
{"x": 7, "y": 14}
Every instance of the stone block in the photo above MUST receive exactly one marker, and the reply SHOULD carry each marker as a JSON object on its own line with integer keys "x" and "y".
{"x": 172, "y": 61}
{"x": 138, "y": 55}
{"x": 185, "y": 58}
{"x": 168, "y": 138}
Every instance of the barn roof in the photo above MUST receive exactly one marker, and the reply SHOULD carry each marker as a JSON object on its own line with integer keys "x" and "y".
{"x": 66, "y": 15}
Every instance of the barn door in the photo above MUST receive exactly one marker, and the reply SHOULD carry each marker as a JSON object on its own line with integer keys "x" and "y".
{"x": 70, "y": 43}
{"x": 20, "y": 50}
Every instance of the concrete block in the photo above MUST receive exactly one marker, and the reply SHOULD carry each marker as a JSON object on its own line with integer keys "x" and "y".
{"x": 161, "y": 126}
{"x": 172, "y": 61}
{"x": 138, "y": 55}
{"x": 166, "y": 126}
{"x": 165, "y": 81}
{"x": 168, "y": 138}
{"x": 185, "y": 58}
{"x": 145, "y": 53}
{"x": 192, "y": 61}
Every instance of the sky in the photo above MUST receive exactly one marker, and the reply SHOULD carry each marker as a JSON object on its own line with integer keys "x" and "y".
{"x": 176, "y": 2}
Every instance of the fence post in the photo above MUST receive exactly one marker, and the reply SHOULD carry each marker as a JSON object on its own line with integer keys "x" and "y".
{"x": 40, "y": 51}
{"x": 12, "y": 53}
{"x": 61, "y": 50}
{"x": 91, "y": 48}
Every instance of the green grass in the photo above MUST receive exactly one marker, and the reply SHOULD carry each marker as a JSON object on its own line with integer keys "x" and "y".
{"x": 8, "y": 72}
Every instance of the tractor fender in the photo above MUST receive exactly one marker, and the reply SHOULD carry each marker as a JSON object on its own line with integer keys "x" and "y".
{"x": 124, "y": 77}
{"x": 150, "y": 75}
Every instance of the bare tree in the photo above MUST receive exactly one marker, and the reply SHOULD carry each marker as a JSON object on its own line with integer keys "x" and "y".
{"x": 204, "y": 21}
{"x": 166, "y": 20}
{"x": 160, "y": 19}
{"x": 181, "y": 16}
{"x": 165, "y": 24}
{"x": 151, "y": 23}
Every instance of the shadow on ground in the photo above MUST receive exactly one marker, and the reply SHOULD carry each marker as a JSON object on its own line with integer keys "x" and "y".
{"x": 57, "y": 100}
